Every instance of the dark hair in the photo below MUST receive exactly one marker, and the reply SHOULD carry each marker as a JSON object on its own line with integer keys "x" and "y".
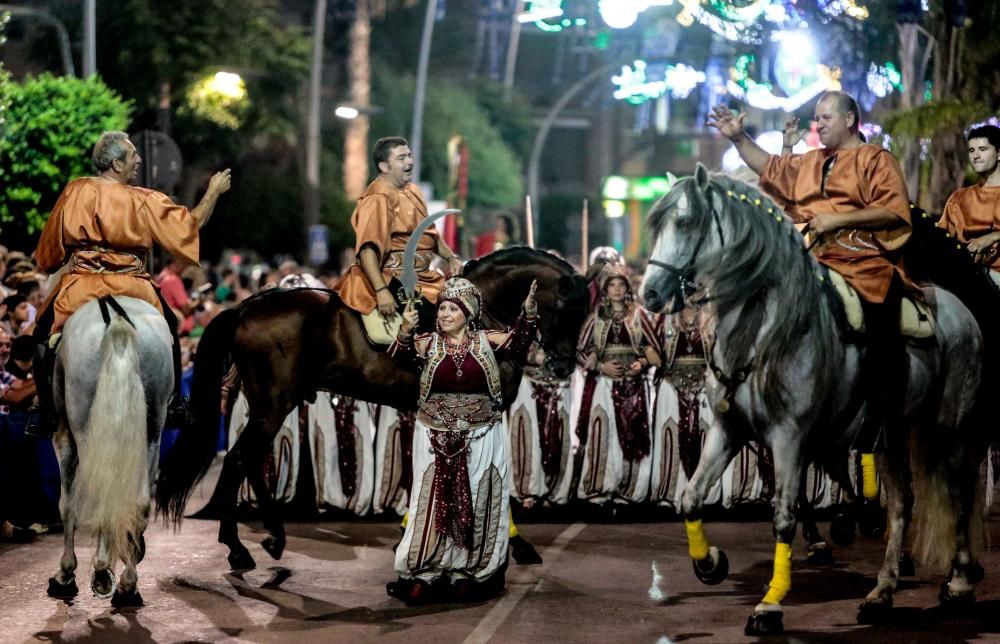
{"x": 13, "y": 301}
{"x": 989, "y": 132}
{"x": 22, "y": 348}
{"x": 28, "y": 286}
{"x": 845, "y": 105}
{"x": 380, "y": 153}
{"x": 509, "y": 225}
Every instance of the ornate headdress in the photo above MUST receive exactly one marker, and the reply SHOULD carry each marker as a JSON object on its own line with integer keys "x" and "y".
{"x": 464, "y": 295}
{"x": 610, "y": 272}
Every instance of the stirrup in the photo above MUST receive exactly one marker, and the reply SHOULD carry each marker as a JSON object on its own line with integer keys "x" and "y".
{"x": 178, "y": 413}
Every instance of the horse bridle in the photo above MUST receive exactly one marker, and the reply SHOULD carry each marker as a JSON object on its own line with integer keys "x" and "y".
{"x": 684, "y": 275}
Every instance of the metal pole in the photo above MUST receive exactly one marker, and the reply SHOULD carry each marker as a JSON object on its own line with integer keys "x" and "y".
{"x": 512, "y": 46}
{"x": 89, "y": 38}
{"x": 417, "y": 130}
{"x": 311, "y": 214}
{"x": 61, "y": 36}
{"x": 550, "y": 119}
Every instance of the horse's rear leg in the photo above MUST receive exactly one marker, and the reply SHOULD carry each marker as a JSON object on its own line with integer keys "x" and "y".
{"x": 226, "y": 494}
{"x": 965, "y": 571}
{"x": 63, "y": 585}
{"x": 820, "y": 553}
{"x": 127, "y": 593}
{"x": 103, "y": 580}
{"x": 899, "y": 494}
{"x": 256, "y": 454}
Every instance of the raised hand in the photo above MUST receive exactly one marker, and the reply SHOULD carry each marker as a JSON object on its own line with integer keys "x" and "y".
{"x": 410, "y": 319}
{"x": 729, "y": 123}
{"x": 220, "y": 182}
{"x": 530, "y": 306}
{"x": 791, "y": 134}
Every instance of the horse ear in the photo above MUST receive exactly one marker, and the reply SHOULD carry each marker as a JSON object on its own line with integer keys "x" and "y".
{"x": 469, "y": 265}
{"x": 594, "y": 270}
{"x": 701, "y": 177}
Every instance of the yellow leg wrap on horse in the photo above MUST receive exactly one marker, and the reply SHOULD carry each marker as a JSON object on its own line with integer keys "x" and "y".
{"x": 781, "y": 581}
{"x": 513, "y": 528}
{"x": 869, "y": 478}
{"x": 406, "y": 519}
{"x": 697, "y": 543}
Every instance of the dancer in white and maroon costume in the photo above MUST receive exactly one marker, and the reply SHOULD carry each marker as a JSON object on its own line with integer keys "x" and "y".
{"x": 618, "y": 343}
{"x": 457, "y": 534}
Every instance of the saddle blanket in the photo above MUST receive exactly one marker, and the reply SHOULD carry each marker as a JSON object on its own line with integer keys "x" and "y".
{"x": 916, "y": 319}
{"x": 379, "y": 330}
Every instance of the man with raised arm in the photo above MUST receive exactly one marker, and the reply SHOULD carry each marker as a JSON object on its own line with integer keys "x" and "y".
{"x": 98, "y": 234}
{"x": 383, "y": 221}
{"x": 853, "y": 197}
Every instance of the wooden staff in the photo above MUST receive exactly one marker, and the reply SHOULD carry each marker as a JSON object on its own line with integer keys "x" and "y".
{"x": 529, "y": 221}
{"x": 585, "y": 236}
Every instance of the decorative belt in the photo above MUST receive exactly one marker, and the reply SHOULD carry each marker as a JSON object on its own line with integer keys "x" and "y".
{"x": 457, "y": 412}
{"x": 95, "y": 259}
{"x": 421, "y": 261}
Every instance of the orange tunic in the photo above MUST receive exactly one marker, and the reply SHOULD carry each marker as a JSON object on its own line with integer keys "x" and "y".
{"x": 973, "y": 212}
{"x": 384, "y": 219}
{"x": 863, "y": 177}
{"x": 104, "y": 229}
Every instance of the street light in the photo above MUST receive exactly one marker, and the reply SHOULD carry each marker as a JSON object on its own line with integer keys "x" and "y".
{"x": 346, "y": 112}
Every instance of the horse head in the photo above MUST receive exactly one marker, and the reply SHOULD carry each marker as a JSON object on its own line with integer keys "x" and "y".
{"x": 686, "y": 227}
{"x": 563, "y": 298}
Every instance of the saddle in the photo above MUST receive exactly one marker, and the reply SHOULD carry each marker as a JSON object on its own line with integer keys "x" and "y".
{"x": 379, "y": 330}
{"x": 916, "y": 318}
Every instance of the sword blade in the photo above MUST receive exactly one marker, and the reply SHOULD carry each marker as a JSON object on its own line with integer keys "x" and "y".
{"x": 408, "y": 277}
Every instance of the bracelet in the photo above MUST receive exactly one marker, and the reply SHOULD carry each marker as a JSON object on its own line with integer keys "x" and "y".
{"x": 382, "y": 288}
{"x": 404, "y": 338}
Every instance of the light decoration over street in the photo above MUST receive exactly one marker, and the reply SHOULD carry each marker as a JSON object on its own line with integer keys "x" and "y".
{"x": 635, "y": 87}
{"x": 622, "y": 14}
{"x": 735, "y": 23}
{"x": 839, "y": 7}
{"x": 884, "y": 79}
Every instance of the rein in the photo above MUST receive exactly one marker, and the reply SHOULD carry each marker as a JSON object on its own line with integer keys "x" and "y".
{"x": 107, "y": 302}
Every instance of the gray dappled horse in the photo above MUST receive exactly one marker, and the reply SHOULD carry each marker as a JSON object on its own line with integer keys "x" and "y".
{"x": 783, "y": 375}
{"x": 112, "y": 380}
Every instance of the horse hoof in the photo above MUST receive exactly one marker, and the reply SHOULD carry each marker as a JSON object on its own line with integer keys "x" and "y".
{"x": 274, "y": 545}
{"x": 62, "y": 591}
{"x": 874, "y": 611}
{"x": 872, "y": 520}
{"x": 103, "y": 583}
{"x": 523, "y": 552}
{"x": 127, "y": 600}
{"x": 819, "y": 556}
{"x": 711, "y": 572}
{"x": 842, "y": 530}
{"x": 767, "y": 623}
{"x": 240, "y": 560}
{"x": 907, "y": 567}
{"x": 975, "y": 573}
{"x": 953, "y": 602}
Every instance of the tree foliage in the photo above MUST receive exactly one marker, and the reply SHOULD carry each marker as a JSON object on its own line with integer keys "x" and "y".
{"x": 52, "y": 125}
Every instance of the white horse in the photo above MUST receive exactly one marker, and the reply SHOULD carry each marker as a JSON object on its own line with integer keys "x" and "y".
{"x": 784, "y": 375}
{"x": 113, "y": 378}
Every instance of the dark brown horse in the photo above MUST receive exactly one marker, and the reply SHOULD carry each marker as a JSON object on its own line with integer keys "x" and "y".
{"x": 288, "y": 344}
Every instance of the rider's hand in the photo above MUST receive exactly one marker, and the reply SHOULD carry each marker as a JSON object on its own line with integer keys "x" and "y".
{"x": 386, "y": 304}
{"x": 979, "y": 244}
{"x": 220, "y": 182}
{"x": 791, "y": 134}
{"x": 530, "y": 305}
{"x": 635, "y": 368}
{"x": 727, "y": 122}
{"x": 612, "y": 369}
{"x": 824, "y": 223}
{"x": 410, "y": 319}
{"x": 455, "y": 266}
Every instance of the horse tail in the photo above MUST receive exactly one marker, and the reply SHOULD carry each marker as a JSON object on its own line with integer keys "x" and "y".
{"x": 939, "y": 470}
{"x": 195, "y": 448}
{"x": 113, "y": 470}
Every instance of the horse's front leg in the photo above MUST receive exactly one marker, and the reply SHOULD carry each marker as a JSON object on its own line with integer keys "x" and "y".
{"x": 710, "y": 564}
{"x": 895, "y": 473}
{"x": 767, "y": 615}
{"x": 63, "y": 585}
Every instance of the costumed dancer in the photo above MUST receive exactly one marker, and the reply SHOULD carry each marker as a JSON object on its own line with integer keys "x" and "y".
{"x": 541, "y": 443}
{"x": 455, "y": 542}
{"x": 617, "y": 345}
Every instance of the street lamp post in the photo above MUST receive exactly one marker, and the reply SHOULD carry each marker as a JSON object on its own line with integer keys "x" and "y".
{"x": 89, "y": 38}
{"x": 417, "y": 130}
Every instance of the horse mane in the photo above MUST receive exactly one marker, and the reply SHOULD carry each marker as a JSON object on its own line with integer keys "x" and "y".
{"x": 518, "y": 255}
{"x": 764, "y": 254}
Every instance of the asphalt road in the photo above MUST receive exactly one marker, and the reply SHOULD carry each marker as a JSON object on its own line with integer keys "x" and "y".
{"x": 599, "y": 583}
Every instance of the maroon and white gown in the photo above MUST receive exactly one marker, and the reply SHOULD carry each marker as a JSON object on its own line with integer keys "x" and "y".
{"x": 614, "y": 416}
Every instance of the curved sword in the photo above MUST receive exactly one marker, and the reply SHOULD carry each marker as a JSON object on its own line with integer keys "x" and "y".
{"x": 408, "y": 278}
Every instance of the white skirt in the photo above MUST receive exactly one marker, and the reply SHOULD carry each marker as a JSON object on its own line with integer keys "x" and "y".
{"x": 605, "y": 474}
{"x": 528, "y": 476}
{"x": 424, "y": 553}
{"x": 391, "y": 491}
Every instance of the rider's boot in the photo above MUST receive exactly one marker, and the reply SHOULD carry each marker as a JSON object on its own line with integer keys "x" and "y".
{"x": 43, "y": 425}
{"x": 179, "y": 414}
